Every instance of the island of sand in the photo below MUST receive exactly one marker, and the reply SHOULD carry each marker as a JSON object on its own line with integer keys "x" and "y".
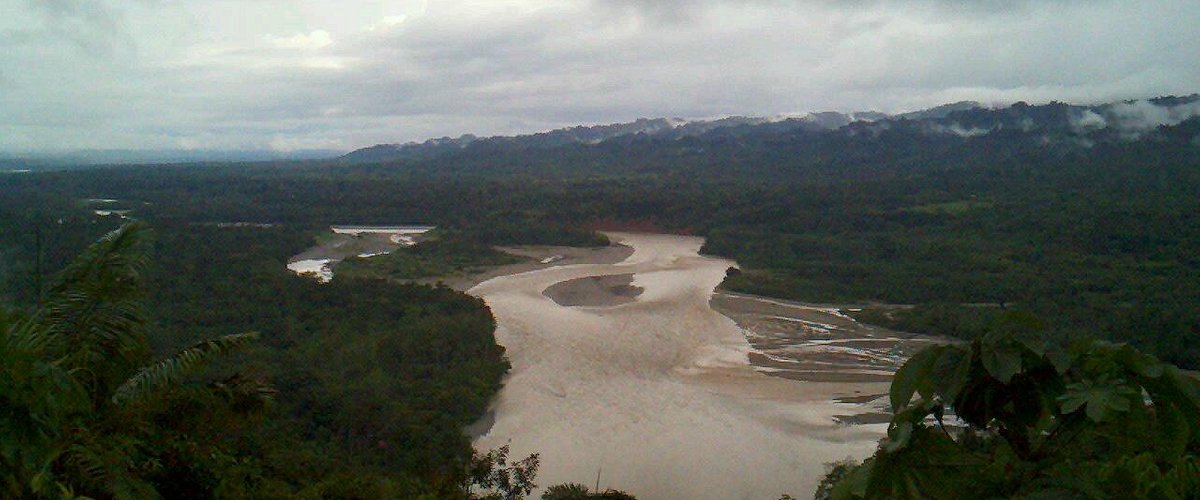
{"x": 595, "y": 291}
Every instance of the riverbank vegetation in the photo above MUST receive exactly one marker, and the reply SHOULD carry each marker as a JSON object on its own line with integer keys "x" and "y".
{"x": 442, "y": 255}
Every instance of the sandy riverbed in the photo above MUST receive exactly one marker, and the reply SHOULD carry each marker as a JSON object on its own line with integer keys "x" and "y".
{"x": 538, "y": 257}
{"x": 658, "y": 392}
{"x": 595, "y": 291}
{"x": 810, "y": 342}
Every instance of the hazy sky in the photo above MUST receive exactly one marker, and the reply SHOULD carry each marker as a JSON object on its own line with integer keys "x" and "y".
{"x": 286, "y": 75}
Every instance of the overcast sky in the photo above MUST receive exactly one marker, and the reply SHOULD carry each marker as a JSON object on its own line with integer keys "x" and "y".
{"x": 340, "y": 74}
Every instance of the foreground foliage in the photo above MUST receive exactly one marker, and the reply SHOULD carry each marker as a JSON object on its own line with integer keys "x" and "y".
{"x": 86, "y": 409}
{"x": 1093, "y": 420}
{"x": 370, "y": 383}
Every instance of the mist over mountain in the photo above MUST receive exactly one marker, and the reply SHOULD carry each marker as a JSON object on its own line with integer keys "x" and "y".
{"x": 1054, "y": 122}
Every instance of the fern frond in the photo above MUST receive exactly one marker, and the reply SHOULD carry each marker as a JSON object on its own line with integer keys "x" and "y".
{"x": 93, "y": 314}
{"x": 23, "y": 334}
{"x": 122, "y": 253}
{"x": 170, "y": 370}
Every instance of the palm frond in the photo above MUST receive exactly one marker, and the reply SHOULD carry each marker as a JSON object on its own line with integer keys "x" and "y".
{"x": 38, "y": 398}
{"x": 121, "y": 252}
{"x": 106, "y": 464}
{"x": 170, "y": 370}
{"x": 247, "y": 394}
{"x": 93, "y": 316}
{"x": 22, "y": 334}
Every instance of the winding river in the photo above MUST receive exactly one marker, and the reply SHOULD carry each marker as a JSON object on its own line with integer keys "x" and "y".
{"x": 657, "y": 394}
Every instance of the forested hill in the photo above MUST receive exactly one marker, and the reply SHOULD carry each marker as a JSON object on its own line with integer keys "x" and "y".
{"x": 1056, "y": 122}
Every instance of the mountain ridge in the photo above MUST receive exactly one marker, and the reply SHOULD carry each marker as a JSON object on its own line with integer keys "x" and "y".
{"x": 1081, "y": 125}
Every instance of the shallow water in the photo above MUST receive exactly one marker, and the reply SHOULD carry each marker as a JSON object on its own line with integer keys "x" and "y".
{"x": 657, "y": 394}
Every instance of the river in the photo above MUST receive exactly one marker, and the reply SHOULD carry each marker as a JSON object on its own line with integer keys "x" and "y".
{"x": 657, "y": 394}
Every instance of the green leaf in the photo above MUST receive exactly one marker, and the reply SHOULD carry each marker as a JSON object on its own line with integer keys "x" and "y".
{"x": 1060, "y": 359}
{"x": 1036, "y": 346}
{"x": 1102, "y": 399}
{"x": 950, "y": 374}
{"x": 1139, "y": 363}
{"x": 1002, "y": 360}
{"x": 913, "y": 374}
{"x": 1177, "y": 389}
{"x": 94, "y": 314}
{"x": 169, "y": 370}
{"x": 1173, "y": 432}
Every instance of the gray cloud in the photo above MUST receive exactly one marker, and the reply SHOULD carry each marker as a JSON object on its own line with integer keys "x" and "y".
{"x": 90, "y": 25}
{"x": 16, "y": 37}
{"x": 290, "y": 74}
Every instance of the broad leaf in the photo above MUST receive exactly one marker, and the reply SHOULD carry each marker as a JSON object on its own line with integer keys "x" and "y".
{"x": 1060, "y": 359}
{"x": 1101, "y": 399}
{"x": 951, "y": 372}
{"x": 1002, "y": 360}
{"x": 913, "y": 374}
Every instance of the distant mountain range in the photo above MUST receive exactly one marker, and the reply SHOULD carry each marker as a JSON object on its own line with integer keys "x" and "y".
{"x": 1162, "y": 118}
{"x": 1078, "y": 125}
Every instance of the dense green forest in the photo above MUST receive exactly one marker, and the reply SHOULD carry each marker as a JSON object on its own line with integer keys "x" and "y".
{"x": 1101, "y": 240}
{"x": 375, "y": 380}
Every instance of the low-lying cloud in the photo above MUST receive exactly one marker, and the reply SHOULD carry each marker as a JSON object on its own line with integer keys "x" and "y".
{"x": 1140, "y": 115}
{"x": 1133, "y": 117}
